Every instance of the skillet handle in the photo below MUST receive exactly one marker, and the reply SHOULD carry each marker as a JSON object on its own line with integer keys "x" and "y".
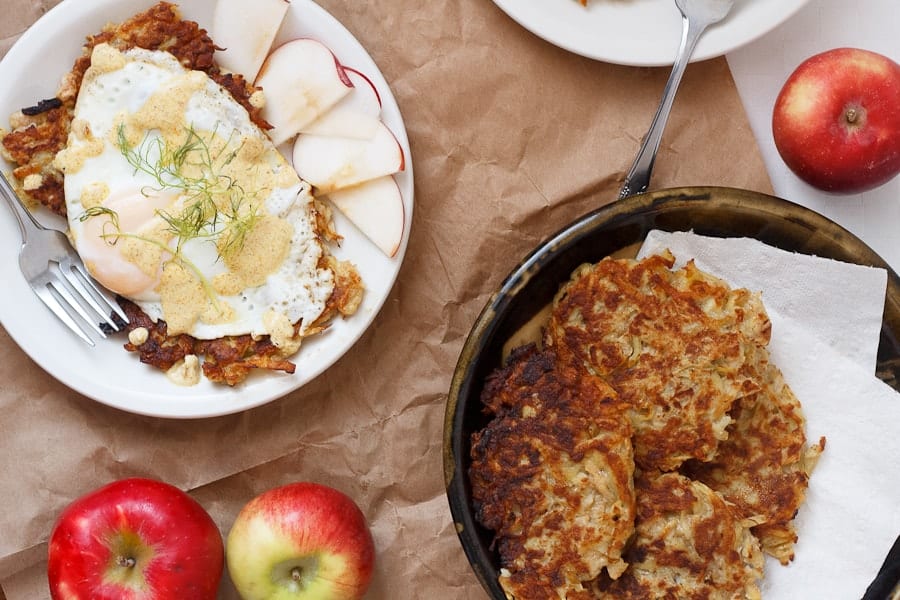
{"x": 888, "y": 576}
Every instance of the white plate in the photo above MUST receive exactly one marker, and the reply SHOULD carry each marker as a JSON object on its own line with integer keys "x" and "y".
{"x": 642, "y": 32}
{"x": 107, "y": 373}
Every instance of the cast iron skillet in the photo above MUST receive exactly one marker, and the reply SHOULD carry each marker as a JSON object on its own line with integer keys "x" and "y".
{"x": 720, "y": 212}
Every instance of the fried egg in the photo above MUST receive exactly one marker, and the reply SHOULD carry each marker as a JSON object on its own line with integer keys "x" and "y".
{"x": 177, "y": 201}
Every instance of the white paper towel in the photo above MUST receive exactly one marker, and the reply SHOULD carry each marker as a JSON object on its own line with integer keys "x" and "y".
{"x": 852, "y": 511}
{"x": 826, "y": 317}
{"x": 838, "y": 302}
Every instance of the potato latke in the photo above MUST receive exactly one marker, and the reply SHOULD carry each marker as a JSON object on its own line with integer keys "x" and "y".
{"x": 764, "y": 465}
{"x": 685, "y": 358}
{"x": 552, "y": 476}
{"x": 673, "y": 344}
{"x": 689, "y": 543}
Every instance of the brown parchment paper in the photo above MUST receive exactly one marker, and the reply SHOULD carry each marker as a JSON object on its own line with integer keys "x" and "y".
{"x": 511, "y": 139}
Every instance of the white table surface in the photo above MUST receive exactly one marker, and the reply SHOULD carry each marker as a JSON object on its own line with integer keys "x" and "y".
{"x": 761, "y": 67}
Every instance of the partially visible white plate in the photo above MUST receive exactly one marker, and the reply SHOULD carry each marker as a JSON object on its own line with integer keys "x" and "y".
{"x": 642, "y": 32}
{"x": 107, "y": 373}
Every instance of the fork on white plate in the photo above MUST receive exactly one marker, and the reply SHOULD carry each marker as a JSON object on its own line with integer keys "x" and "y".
{"x": 696, "y": 17}
{"x": 56, "y": 274}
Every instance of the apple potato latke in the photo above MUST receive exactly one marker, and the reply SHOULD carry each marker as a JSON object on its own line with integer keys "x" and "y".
{"x": 689, "y": 543}
{"x": 39, "y": 136}
{"x": 675, "y": 345}
{"x": 763, "y": 467}
{"x": 552, "y": 475}
{"x": 721, "y": 463}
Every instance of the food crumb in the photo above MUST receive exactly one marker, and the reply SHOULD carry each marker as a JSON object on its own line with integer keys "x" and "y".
{"x": 257, "y": 99}
{"x": 186, "y": 371}
{"x": 32, "y": 182}
{"x": 138, "y": 336}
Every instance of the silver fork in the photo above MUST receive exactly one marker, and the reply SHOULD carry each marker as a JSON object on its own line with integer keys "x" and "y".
{"x": 696, "y": 16}
{"x": 56, "y": 274}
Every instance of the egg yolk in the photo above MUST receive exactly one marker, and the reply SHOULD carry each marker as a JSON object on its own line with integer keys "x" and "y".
{"x": 113, "y": 243}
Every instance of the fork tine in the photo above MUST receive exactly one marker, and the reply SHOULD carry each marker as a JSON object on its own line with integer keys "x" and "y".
{"x": 88, "y": 291}
{"x": 59, "y": 284}
{"x": 43, "y": 292}
{"x": 100, "y": 292}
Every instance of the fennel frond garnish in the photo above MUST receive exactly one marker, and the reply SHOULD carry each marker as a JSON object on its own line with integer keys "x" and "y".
{"x": 213, "y": 204}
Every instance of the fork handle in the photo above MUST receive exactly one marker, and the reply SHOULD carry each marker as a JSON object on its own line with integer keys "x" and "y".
{"x": 27, "y": 222}
{"x": 638, "y": 178}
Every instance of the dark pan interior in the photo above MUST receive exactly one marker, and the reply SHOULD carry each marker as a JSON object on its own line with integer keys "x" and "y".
{"x": 720, "y": 212}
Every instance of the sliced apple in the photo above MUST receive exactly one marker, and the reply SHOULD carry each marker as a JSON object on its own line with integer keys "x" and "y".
{"x": 367, "y": 98}
{"x": 342, "y": 121}
{"x": 376, "y": 209}
{"x": 355, "y": 116}
{"x": 246, "y": 31}
{"x": 301, "y": 80}
{"x": 333, "y": 163}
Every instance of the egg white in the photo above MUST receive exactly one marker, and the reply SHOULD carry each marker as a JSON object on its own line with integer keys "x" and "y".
{"x": 298, "y": 288}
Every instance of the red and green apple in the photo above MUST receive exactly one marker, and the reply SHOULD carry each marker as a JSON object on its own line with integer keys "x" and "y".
{"x": 300, "y": 541}
{"x": 836, "y": 121}
{"x": 135, "y": 539}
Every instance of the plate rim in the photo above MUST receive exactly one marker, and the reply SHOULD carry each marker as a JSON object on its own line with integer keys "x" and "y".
{"x": 706, "y": 49}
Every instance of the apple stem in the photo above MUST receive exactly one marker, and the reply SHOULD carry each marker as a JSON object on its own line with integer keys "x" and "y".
{"x": 851, "y": 115}
{"x": 297, "y": 574}
{"x": 125, "y": 561}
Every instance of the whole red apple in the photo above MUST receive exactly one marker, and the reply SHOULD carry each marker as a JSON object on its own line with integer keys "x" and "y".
{"x": 135, "y": 539}
{"x": 300, "y": 541}
{"x": 836, "y": 121}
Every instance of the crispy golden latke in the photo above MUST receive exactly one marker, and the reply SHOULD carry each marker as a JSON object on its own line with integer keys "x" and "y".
{"x": 687, "y": 356}
{"x": 230, "y": 359}
{"x": 764, "y": 465}
{"x": 689, "y": 544}
{"x": 226, "y": 360}
{"x": 552, "y": 476}
{"x": 675, "y": 345}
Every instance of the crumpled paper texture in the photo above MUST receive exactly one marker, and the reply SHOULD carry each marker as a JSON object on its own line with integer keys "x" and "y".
{"x": 511, "y": 139}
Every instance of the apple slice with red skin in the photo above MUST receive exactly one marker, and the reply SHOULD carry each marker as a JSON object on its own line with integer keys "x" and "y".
{"x": 301, "y": 80}
{"x": 368, "y": 99}
{"x": 376, "y": 209}
{"x": 135, "y": 539}
{"x": 836, "y": 121}
{"x": 331, "y": 163}
{"x": 246, "y": 31}
{"x": 343, "y": 122}
{"x": 355, "y": 116}
{"x": 300, "y": 541}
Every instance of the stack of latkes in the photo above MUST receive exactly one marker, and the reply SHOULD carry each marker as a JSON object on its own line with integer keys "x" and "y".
{"x": 648, "y": 449}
